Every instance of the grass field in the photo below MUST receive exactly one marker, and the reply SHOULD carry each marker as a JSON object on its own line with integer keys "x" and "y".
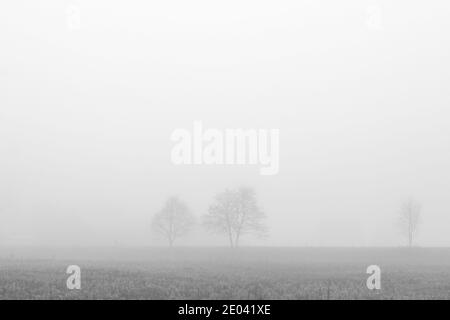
{"x": 219, "y": 273}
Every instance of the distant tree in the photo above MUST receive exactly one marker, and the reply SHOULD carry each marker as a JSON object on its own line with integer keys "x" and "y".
{"x": 409, "y": 220}
{"x": 235, "y": 213}
{"x": 175, "y": 220}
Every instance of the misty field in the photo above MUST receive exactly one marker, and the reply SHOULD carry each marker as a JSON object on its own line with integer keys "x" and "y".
{"x": 219, "y": 273}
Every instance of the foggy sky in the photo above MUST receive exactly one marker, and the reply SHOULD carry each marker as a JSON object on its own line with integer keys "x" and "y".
{"x": 86, "y": 116}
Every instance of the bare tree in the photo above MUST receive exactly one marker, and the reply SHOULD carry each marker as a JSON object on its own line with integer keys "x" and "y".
{"x": 235, "y": 213}
{"x": 174, "y": 220}
{"x": 409, "y": 220}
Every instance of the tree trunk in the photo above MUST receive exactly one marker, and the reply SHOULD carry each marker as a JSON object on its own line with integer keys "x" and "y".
{"x": 231, "y": 239}
{"x": 410, "y": 227}
{"x": 236, "y": 241}
{"x": 410, "y": 237}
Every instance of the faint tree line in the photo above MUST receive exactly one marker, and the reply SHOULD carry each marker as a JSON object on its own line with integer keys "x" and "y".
{"x": 234, "y": 213}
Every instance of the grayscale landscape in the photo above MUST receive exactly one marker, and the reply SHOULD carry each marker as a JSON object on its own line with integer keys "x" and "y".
{"x": 239, "y": 149}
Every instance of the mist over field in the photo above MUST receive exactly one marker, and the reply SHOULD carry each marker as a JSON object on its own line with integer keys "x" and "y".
{"x": 223, "y": 273}
{"x": 358, "y": 91}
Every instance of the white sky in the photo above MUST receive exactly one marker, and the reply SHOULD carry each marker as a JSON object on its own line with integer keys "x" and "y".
{"x": 358, "y": 89}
